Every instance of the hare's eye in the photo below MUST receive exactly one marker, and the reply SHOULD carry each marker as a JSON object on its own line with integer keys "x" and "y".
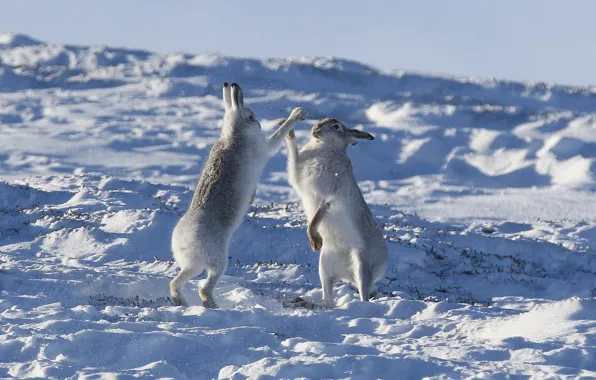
{"x": 251, "y": 117}
{"x": 336, "y": 126}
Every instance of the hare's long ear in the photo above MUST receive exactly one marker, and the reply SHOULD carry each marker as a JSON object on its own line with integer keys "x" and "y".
{"x": 361, "y": 135}
{"x": 237, "y": 97}
{"x": 227, "y": 97}
{"x": 354, "y": 134}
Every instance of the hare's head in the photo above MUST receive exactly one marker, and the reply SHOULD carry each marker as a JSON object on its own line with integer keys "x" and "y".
{"x": 332, "y": 131}
{"x": 238, "y": 118}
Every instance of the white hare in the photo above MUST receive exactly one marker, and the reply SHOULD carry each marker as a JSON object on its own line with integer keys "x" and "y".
{"x": 340, "y": 223}
{"x": 226, "y": 188}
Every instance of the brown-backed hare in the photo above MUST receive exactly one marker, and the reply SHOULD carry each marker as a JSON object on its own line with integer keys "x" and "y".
{"x": 226, "y": 188}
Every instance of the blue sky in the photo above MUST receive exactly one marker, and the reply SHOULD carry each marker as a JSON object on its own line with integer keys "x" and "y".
{"x": 541, "y": 40}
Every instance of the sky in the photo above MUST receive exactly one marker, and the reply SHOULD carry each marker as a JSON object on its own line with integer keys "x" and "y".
{"x": 535, "y": 40}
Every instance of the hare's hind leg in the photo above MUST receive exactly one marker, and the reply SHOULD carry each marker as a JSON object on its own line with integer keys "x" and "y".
{"x": 177, "y": 285}
{"x": 326, "y": 277}
{"x": 206, "y": 291}
{"x": 214, "y": 272}
{"x": 364, "y": 279}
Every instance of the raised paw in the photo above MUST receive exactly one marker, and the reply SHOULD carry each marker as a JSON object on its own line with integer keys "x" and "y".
{"x": 316, "y": 242}
{"x": 298, "y": 113}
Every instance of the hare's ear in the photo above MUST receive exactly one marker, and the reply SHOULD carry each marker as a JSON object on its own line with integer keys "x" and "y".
{"x": 227, "y": 97}
{"x": 237, "y": 97}
{"x": 354, "y": 134}
{"x": 361, "y": 135}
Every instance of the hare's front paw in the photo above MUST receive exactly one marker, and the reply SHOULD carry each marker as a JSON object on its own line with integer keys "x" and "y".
{"x": 316, "y": 241}
{"x": 298, "y": 113}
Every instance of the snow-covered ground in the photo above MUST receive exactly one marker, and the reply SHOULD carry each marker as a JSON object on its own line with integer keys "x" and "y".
{"x": 485, "y": 190}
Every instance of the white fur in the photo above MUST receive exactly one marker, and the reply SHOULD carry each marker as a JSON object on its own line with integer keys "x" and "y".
{"x": 199, "y": 242}
{"x": 322, "y": 173}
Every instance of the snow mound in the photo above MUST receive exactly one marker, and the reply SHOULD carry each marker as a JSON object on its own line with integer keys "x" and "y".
{"x": 16, "y": 39}
{"x": 462, "y": 131}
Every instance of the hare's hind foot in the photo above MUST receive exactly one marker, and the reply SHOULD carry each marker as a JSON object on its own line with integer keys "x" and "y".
{"x": 207, "y": 299}
{"x": 210, "y": 304}
{"x": 364, "y": 281}
{"x": 206, "y": 291}
{"x": 179, "y": 301}
{"x": 327, "y": 285}
{"x": 177, "y": 286}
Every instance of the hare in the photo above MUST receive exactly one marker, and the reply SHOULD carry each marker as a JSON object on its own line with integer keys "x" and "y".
{"x": 340, "y": 223}
{"x": 226, "y": 188}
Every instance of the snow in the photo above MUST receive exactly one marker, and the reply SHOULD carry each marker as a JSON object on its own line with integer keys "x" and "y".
{"x": 484, "y": 190}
